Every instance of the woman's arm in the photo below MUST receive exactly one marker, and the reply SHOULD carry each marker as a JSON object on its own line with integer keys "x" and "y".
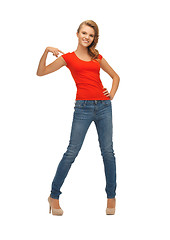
{"x": 54, "y": 66}
{"x": 116, "y": 79}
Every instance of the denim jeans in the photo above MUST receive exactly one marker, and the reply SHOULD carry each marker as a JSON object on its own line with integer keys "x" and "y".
{"x": 86, "y": 111}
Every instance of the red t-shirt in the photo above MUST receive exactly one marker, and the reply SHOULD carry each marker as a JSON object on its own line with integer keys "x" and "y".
{"x": 86, "y": 75}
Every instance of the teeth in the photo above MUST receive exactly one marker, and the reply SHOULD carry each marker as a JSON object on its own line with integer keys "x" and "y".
{"x": 85, "y": 41}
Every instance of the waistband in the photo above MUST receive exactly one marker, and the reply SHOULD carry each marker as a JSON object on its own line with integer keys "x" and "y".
{"x": 91, "y": 101}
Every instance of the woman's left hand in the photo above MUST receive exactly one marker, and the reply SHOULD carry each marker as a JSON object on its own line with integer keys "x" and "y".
{"x": 107, "y": 94}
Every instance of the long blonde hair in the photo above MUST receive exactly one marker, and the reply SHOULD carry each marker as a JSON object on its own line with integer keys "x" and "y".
{"x": 94, "y": 53}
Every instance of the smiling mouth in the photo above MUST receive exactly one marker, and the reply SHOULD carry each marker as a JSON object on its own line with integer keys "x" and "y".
{"x": 85, "y": 41}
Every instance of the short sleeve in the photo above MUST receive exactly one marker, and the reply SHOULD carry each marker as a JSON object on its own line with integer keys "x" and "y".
{"x": 66, "y": 57}
{"x": 100, "y": 56}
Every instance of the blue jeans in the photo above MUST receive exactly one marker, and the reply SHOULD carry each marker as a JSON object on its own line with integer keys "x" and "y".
{"x": 86, "y": 111}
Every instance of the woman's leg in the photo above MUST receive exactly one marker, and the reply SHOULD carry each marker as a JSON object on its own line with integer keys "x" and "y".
{"x": 80, "y": 125}
{"x": 104, "y": 128}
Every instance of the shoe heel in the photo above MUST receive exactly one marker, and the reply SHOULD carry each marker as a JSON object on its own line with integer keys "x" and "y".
{"x": 49, "y": 208}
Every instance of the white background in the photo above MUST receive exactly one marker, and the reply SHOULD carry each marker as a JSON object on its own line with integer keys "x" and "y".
{"x": 36, "y": 116}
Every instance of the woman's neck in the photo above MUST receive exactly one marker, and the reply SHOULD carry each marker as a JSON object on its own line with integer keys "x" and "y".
{"x": 82, "y": 50}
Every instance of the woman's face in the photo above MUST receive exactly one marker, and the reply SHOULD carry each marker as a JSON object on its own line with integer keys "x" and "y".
{"x": 86, "y": 35}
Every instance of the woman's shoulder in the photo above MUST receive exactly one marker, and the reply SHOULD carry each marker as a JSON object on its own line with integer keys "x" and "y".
{"x": 100, "y": 56}
{"x": 67, "y": 57}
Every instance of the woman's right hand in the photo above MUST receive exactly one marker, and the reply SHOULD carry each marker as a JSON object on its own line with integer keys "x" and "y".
{"x": 55, "y": 51}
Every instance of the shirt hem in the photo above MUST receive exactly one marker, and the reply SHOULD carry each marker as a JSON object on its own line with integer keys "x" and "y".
{"x": 92, "y": 99}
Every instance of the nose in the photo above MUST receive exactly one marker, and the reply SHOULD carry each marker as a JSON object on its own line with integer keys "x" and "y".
{"x": 87, "y": 36}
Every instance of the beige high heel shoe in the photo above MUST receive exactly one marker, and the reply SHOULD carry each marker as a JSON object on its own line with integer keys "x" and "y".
{"x": 110, "y": 211}
{"x": 55, "y": 211}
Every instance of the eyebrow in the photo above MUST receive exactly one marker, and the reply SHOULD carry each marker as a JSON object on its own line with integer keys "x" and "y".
{"x": 86, "y": 32}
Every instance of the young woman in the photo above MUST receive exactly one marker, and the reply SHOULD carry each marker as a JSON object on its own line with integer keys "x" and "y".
{"x": 93, "y": 103}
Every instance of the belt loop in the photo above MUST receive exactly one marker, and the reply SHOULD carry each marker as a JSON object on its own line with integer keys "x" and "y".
{"x": 85, "y": 102}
